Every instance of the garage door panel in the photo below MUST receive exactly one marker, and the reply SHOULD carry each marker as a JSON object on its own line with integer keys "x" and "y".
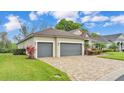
{"x": 70, "y": 49}
{"x": 45, "y": 49}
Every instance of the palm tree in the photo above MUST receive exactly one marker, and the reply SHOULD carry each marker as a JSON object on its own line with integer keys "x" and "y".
{"x": 121, "y": 45}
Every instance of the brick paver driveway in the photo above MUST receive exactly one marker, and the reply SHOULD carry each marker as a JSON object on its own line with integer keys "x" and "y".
{"x": 88, "y": 67}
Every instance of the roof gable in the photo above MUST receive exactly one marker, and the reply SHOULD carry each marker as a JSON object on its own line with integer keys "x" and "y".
{"x": 79, "y": 32}
{"x": 121, "y": 38}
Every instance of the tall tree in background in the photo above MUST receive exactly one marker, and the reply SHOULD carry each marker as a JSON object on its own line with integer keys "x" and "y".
{"x": 4, "y": 41}
{"x": 26, "y": 29}
{"x": 94, "y": 34}
{"x": 67, "y": 25}
{"x": 23, "y": 31}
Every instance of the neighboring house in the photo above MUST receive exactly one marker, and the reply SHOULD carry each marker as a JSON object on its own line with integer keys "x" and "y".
{"x": 117, "y": 39}
{"x": 55, "y": 43}
{"x": 97, "y": 39}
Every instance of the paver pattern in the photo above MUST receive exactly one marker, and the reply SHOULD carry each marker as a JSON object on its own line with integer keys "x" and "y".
{"x": 88, "y": 68}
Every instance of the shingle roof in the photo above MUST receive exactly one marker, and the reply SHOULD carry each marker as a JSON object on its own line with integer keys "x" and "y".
{"x": 50, "y": 32}
{"x": 113, "y": 37}
{"x": 99, "y": 39}
{"x": 56, "y": 33}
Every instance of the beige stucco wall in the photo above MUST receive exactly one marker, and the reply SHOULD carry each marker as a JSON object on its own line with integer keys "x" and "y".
{"x": 26, "y": 43}
{"x": 56, "y": 43}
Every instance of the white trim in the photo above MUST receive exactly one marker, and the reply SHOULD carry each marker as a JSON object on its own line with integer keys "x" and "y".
{"x": 69, "y": 42}
{"x": 44, "y": 42}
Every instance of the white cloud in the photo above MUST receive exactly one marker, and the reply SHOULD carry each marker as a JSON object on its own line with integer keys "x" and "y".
{"x": 85, "y": 19}
{"x": 13, "y": 23}
{"x": 94, "y": 19}
{"x": 99, "y": 18}
{"x": 97, "y": 33}
{"x": 108, "y": 24}
{"x": 88, "y": 12}
{"x": 118, "y": 19}
{"x": 42, "y": 12}
{"x": 115, "y": 20}
{"x": 69, "y": 15}
{"x": 33, "y": 16}
{"x": 90, "y": 25}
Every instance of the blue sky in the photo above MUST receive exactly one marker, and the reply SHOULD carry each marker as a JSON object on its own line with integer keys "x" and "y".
{"x": 101, "y": 22}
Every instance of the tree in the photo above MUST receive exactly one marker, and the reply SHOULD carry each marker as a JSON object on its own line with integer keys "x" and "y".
{"x": 23, "y": 31}
{"x": 113, "y": 46}
{"x": 17, "y": 38}
{"x": 84, "y": 30}
{"x": 67, "y": 25}
{"x": 26, "y": 29}
{"x": 100, "y": 45}
{"x": 94, "y": 34}
{"x": 4, "y": 41}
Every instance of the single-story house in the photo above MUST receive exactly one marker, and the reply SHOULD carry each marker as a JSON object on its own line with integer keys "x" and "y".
{"x": 117, "y": 39}
{"x": 55, "y": 43}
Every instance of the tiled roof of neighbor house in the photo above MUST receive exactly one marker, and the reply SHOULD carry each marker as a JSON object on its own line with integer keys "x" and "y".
{"x": 50, "y": 32}
{"x": 113, "y": 37}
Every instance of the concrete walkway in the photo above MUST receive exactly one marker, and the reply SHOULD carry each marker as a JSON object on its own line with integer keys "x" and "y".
{"x": 88, "y": 67}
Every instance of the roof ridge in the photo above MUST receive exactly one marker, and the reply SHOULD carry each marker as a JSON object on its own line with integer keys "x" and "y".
{"x": 113, "y": 34}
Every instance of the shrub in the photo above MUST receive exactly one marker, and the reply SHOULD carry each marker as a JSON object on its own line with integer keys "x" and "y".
{"x": 30, "y": 51}
{"x": 19, "y": 52}
{"x": 97, "y": 52}
{"x": 100, "y": 46}
{"x": 5, "y": 50}
{"x": 113, "y": 46}
{"x": 108, "y": 50}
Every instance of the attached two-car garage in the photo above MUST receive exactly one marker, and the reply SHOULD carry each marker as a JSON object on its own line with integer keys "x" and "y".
{"x": 55, "y": 43}
{"x": 45, "y": 49}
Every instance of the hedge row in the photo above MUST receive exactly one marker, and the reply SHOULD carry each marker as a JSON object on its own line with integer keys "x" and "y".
{"x": 19, "y": 52}
{"x": 6, "y": 50}
{"x": 14, "y": 51}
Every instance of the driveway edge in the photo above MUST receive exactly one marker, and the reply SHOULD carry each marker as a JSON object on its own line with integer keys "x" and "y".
{"x": 112, "y": 76}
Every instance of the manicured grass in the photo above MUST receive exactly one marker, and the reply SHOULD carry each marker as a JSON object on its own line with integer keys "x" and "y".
{"x": 114, "y": 55}
{"x": 18, "y": 67}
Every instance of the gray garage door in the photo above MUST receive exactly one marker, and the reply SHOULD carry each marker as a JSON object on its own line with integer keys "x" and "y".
{"x": 70, "y": 49}
{"x": 45, "y": 49}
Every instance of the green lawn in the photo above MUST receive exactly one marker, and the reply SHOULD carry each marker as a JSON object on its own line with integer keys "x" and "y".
{"x": 13, "y": 67}
{"x": 114, "y": 55}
